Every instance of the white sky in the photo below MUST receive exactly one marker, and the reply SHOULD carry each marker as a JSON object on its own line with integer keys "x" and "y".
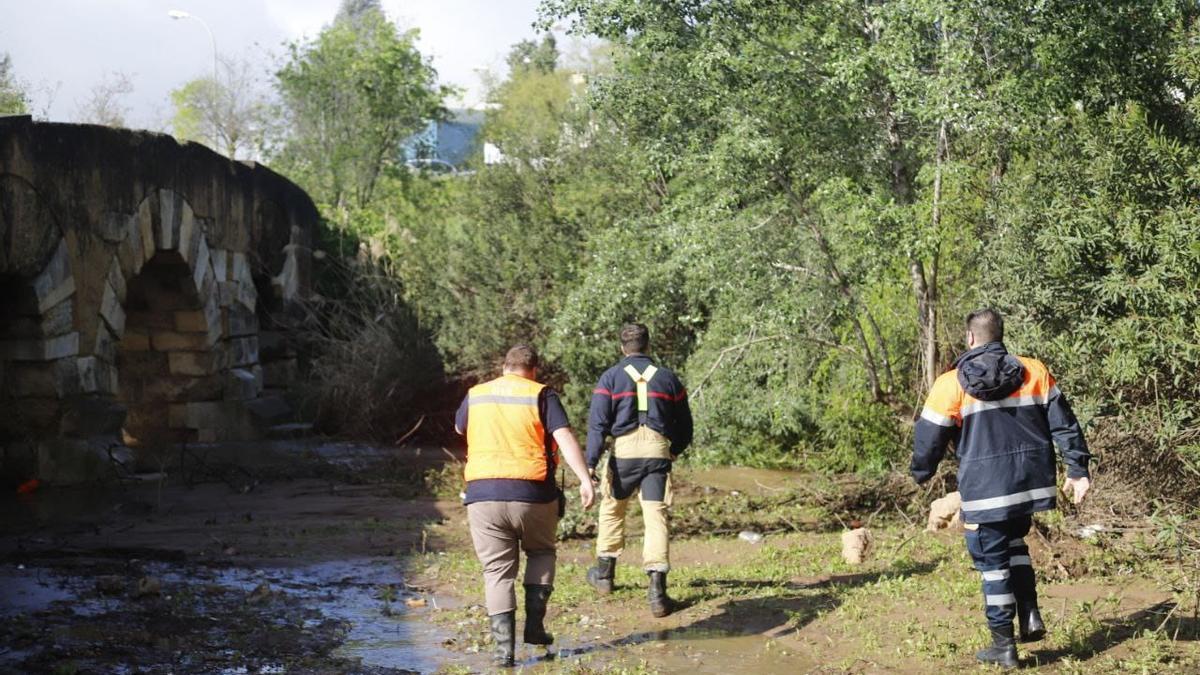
{"x": 62, "y": 48}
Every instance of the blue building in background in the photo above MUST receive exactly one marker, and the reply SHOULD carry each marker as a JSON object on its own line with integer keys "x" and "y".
{"x": 446, "y": 143}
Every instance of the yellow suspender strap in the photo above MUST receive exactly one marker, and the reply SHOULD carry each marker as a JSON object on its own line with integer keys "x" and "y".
{"x": 642, "y": 379}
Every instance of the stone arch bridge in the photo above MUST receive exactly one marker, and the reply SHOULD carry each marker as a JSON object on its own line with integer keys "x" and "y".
{"x": 148, "y": 294}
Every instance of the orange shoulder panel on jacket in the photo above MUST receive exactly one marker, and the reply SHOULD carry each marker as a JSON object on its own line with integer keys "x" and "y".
{"x": 946, "y": 396}
{"x": 1037, "y": 382}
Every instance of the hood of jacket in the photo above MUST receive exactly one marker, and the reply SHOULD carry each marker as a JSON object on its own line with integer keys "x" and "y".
{"x": 989, "y": 372}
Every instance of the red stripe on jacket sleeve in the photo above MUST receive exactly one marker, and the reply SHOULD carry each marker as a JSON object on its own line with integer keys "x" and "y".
{"x": 668, "y": 397}
{"x": 602, "y": 392}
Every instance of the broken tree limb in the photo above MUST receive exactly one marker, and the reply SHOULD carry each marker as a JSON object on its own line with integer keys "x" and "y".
{"x": 405, "y": 437}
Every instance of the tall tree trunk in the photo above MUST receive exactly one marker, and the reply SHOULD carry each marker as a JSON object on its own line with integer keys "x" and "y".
{"x": 925, "y": 276}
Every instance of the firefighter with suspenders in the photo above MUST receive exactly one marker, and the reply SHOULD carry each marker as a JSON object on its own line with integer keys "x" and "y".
{"x": 644, "y": 408}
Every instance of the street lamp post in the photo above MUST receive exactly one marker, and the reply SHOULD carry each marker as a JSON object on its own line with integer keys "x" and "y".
{"x": 178, "y": 14}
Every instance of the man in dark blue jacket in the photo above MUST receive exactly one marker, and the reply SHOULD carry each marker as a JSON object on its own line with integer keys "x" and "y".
{"x": 1006, "y": 415}
{"x": 644, "y": 408}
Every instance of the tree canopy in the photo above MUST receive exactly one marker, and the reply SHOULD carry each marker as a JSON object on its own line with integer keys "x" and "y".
{"x": 350, "y": 95}
{"x": 802, "y": 201}
{"x": 230, "y": 114}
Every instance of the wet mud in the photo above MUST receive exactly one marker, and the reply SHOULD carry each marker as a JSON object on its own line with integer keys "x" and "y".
{"x": 342, "y": 558}
{"x": 268, "y": 572}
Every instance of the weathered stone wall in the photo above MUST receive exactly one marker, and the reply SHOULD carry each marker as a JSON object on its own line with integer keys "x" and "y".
{"x": 137, "y": 277}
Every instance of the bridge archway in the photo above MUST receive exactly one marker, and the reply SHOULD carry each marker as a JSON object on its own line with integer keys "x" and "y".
{"x": 182, "y": 322}
{"x": 39, "y": 340}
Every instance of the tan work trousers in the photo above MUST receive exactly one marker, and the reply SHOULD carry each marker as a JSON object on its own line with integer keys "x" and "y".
{"x": 499, "y": 530}
{"x": 644, "y": 443}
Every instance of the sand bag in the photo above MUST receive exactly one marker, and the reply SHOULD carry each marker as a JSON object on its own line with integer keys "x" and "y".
{"x": 856, "y": 545}
{"x": 944, "y": 512}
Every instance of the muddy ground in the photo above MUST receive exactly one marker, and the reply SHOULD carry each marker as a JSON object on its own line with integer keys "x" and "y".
{"x": 296, "y": 564}
{"x": 331, "y": 558}
{"x": 790, "y": 604}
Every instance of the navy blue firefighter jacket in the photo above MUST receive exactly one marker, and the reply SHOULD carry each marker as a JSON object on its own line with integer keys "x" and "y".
{"x": 1006, "y": 415}
{"x": 614, "y": 407}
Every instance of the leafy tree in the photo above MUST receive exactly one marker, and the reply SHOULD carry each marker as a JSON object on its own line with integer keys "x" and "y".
{"x": 1098, "y": 261}
{"x": 13, "y": 98}
{"x": 350, "y": 96}
{"x": 230, "y": 115}
{"x": 490, "y": 257}
{"x": 530, "y": 55}
{"x": 802, "y": 200}
{"x": 868, "y": 140}
{"x": 528, "y": 123}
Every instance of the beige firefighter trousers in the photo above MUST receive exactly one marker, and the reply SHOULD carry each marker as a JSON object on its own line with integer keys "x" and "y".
{"x": 644, "y": 443}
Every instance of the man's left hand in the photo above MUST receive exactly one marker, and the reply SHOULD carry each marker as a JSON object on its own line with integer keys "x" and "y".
{"x": 1076, "y": 488}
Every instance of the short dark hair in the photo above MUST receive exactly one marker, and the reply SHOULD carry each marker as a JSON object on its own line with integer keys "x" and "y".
{"x": 521, "y": 357}
{"x": 635, "y": 337}
{"x": 986, "y": 325}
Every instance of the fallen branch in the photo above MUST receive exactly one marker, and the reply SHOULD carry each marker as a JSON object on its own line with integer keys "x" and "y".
{"x": 412, "y": 431}
{"x": 901, "y": 545}
{"x": 872, "y": 516}
{"x": 766, "y": 487}
{"x": 902, "y": 513}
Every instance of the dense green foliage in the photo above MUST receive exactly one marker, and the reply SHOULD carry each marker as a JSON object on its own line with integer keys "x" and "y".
{"x": 1097, "y": 253}
{"x": 802, "y": 201}
{"x": 350, "y": 96}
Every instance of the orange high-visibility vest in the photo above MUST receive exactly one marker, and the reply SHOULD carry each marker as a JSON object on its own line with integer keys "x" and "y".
{"x": 505, "y": 435}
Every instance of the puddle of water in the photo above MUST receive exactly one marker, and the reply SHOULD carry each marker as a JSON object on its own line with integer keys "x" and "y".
{"x": 685, "y": 650}
{"x": 368, "y": 594}
{"x": 24, "y": 590}
{"x": 741, "y": 479}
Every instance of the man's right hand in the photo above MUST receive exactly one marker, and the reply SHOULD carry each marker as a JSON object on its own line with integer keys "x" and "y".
{"x": 587, "y": 494}
{"x": 1076, "y": 488}
{"x": 573, "y": 455}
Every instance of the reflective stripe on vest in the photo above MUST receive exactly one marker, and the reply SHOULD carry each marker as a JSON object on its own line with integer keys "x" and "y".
{"x": 642, "y": 380}
{"x": 505, "y": 435}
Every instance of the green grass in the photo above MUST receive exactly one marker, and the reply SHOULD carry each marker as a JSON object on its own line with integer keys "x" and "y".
{"x": 915, "y": 604}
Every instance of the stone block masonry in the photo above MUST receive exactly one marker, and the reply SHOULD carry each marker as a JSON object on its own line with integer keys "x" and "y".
{"x": 129, "y": 309}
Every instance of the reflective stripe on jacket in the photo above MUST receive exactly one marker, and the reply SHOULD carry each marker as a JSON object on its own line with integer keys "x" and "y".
{"x": 505, "y": 438}
{"x": 1005, "y": 446}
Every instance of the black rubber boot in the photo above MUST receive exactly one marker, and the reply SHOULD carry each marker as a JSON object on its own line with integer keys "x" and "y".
{"x": 1003, "y": 651}
{"x": 1032, "y": 627}
{"x": 536, "y": 597}
{"x": 504, "y": 636}
{"x": 660, "y": 603}
{"x": 602, "y": 574}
